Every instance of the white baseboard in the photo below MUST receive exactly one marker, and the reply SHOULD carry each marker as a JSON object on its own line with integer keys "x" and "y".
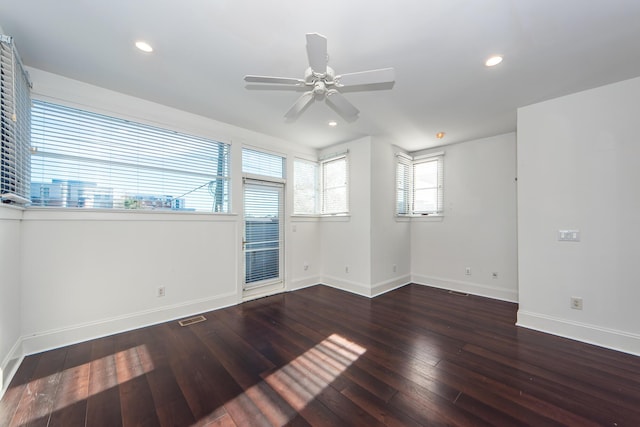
{"x": 303, "y": 283}
{"x": 510, "y": 295}
{"x": 389, "y": 285}
{"x": 70, "y": 335}
{"x": 10, "y": 365}
{"x": 365, "y": 290}
{"x": 590, "y": 334}
{"x": 345, "y": 285}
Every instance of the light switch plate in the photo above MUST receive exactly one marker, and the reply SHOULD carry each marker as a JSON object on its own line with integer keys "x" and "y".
{"x": 569, "y": 235}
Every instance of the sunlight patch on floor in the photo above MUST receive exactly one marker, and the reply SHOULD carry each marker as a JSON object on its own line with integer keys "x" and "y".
{"x": 83, "y": 381}
{"x": 303, "y": 379}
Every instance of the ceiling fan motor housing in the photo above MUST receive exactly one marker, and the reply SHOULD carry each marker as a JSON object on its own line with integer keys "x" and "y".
{"x": 311, "y": 76}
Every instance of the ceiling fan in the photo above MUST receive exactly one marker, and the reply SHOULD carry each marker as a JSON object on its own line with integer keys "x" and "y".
{"x": 323, "y": 83}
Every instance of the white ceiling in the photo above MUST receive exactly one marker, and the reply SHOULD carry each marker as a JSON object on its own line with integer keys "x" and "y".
{"x": 203, "y": 49}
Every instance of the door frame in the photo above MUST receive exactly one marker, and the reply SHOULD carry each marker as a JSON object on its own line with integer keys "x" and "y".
{"x": 269, "y": 287}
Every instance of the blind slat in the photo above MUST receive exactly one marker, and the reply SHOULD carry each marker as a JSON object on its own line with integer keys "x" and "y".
{"x": 335, "y": 185}
{"x": 87, "y": 160}
{"x": 15, "y": 117}
{"x": 305, "y": 192}
{"x": 263, "y": 210}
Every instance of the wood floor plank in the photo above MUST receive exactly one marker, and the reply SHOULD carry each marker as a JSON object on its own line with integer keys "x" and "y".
{"x": 324, "y": 357}
{"x": 103, "y": 402}
{"x": 70, "y": 402}
{"x": 14, "y": 393}
{"x": 34, "y": 408}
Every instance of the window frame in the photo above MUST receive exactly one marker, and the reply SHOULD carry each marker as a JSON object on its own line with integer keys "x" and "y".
{"x": 320, "y": 193}
{"x": 324, "y": 164}
{"x": 408, "y": 193}
{"x": 315, "y": 190}
{"x": 157, "y": 201}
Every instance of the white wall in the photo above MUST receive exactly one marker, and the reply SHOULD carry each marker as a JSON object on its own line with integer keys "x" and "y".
{"x": 10, "y": 242}
{"x": 390, "y": 237}
{"x": 302, "y": 250}
{"x": 345, "y": 241}
{"x": 578, "y": 169}
{"x": 478, "y": 229}
{"x": 369, "y": 241}
{"x": 90, "y": 273}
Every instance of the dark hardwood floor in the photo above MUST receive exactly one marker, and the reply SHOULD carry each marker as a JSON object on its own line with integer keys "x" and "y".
{"x": 323, "y": 357}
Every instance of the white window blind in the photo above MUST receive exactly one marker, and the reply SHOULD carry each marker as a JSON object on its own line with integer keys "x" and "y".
{"x": 263, "y": 206}
{"x": 335, "y": 185}
{"x": 403, "y": 184}
{"x": 85, "y": 160}
{"x": 428, "y": 175}
{"x": 305, "y": 187}
{"x": 15, "y": 122}
{"x": 261, "y": 163}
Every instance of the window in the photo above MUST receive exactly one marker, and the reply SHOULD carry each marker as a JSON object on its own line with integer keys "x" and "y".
{"x": 403, "y": 184}
{"x": 419, "y": 185}
{"x": 335, "y": 185}
{"x": 85, "y": 160}
{"x": 305, "y": 187}
{"x": 332, "y": 196}
{"x": 261, "y": 163}
{"x": 15, "y": 119}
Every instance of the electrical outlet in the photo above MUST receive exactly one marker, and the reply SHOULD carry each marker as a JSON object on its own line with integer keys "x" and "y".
{"x": 395, "y": 268}
{"x": 494, "y": 274}
{"x": 576, "y": 303}
{"x": 161, "y": 291}
{"x": 467, "y": 271}
{"x": 346, "y": 269}
{"x": 305, "y": 265}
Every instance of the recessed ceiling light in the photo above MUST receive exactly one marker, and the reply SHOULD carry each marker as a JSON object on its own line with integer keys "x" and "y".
{"x": 493, "y": 61}
{"x": 440, "y": 135}
{"x": 144, "y": 46}
{"x": 332, "y": 123}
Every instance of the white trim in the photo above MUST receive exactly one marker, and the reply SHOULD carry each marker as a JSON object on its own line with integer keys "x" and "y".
{"x": 263, "y": 179}
{"x": 262, "y": 291}
{"x": 10, "y": 365}
{"x": 11, "y": 212}
{"x": 404, "y": 155}
{"x": 263, "y": 150}
{"x": 467, "y": 287}
{"x": 61, "y": 337}
{"x": 305, "y": 282}
{"x": 346, "y": 285}
{"x": 333, "y": 156}
{"x": 428, "y": 218}
{"x": 71, "y": 214}
{"x": 428, "y": 156}
{"x": 591, "y": 334}
{"x": 305, "y": 218}
{"x": 389, "y": 285}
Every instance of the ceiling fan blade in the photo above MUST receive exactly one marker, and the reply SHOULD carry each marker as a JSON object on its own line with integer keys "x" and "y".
{"x": 299, "y": 105}
{"x": 341, "y": 104}
{"x": 275, "y": 80}
{"x": 317, "y": 52}
{"x": 383, "y": 75}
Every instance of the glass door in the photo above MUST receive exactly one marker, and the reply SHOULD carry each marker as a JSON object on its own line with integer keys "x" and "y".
{"x": 263, "y": 237}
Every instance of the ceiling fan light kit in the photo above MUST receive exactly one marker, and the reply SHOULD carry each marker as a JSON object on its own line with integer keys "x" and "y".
{"x": 324, "y": 84}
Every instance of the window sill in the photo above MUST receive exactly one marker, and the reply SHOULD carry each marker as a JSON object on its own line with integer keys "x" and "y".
{"x": 83, "y": 214}
{"x": 420, "y": 218}
{"x": 305, "y": 218}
